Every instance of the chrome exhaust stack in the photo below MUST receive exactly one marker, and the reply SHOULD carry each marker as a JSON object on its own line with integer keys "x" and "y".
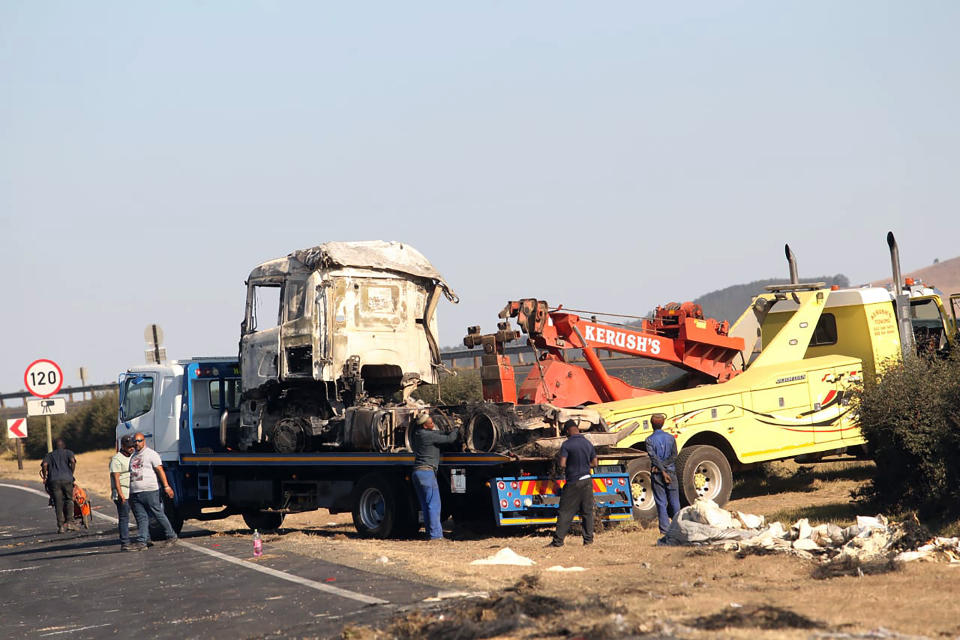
{"x": 901, "y": 299}
{"x": 792, "y": 261}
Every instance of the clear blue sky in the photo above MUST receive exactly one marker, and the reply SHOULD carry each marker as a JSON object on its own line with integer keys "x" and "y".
{"x": 608, "y": 156}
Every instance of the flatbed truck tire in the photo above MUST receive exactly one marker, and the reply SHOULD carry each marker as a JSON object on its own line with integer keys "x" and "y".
{"x": 378, "y": 507}
{"x": 262, "y": 521}
{"x": 704, "y": 473}
{"x": 173, "y": 515}
{"x": 641, "y": 490}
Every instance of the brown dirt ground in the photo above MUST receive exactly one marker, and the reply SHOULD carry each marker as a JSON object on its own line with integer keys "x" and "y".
{"x": 630, "y": 585}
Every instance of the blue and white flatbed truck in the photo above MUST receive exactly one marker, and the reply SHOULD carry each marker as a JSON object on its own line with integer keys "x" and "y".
{"x": 184, "y": 409}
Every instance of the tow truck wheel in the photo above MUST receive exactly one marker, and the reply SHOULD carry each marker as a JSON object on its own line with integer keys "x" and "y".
{"x": 376, "y": 508}
{"x": 644, "y": 508}
{"x": 704, "y": 473}
{"x": 262, "y": 521}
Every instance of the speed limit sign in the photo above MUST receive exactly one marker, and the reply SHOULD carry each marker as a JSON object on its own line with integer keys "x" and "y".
{"x": 43, "y": 378}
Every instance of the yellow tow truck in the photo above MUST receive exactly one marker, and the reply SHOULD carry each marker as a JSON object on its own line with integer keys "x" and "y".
{"x": 807, "y": 346}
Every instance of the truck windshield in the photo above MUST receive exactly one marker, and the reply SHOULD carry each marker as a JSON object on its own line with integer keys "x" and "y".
{"x": 137, "y": 396}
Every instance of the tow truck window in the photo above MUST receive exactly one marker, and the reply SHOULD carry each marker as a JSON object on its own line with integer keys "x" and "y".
{"x": 137, "y": 396}
{"x": 231, "y": 392}
{"x": 825, "y": 332}
{"x": 265, "y": 313}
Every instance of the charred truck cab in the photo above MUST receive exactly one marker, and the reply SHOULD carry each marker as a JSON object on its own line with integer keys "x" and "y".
{"x": 334, "y": 340}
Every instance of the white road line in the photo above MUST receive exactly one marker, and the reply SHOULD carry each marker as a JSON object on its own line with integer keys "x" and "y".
{"x": 289, "y": 577}
{"x": 92, "y": 626}
{"x": 22, "y": 568}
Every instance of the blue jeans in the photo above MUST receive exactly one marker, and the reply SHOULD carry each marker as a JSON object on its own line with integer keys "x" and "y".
{"x": 144, "y": 505}
{"x": 123, "y": 521}
{"x": 428, "y": 493}
{"x": 662, "y": 492}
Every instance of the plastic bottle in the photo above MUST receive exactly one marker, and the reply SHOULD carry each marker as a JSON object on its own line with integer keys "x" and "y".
{"x": 257, "y": 544}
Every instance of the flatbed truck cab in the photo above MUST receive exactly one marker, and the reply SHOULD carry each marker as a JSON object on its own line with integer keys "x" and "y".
{"x": 185, "y": 409}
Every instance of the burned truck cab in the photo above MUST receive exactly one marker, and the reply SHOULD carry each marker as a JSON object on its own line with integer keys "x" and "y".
{"x": 333, "y": 329}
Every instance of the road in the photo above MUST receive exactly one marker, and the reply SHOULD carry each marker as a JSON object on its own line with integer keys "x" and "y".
{"x": 79, "y": 585}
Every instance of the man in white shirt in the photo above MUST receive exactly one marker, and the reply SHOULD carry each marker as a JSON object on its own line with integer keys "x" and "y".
{"x": 120, "y": 484}
{"x": 145, "y": 469}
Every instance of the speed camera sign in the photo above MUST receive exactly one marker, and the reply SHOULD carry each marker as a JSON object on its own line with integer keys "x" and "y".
{"x": 43, "y": 378}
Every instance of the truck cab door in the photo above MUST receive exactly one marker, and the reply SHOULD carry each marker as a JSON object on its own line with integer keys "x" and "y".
{"x": 954, "y": 312}
{"x": 138, "y": 395}
{"x": 260, "y": 334}
{"x": 932, "y": 327}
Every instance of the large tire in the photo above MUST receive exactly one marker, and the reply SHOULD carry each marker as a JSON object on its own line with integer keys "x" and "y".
{"x": 262, "y": 520}
{"x": 704, "y": 473}
{"x": 641, "y": 490}
{"x": 379, "y": 507}
{"x": 173, "y": 515}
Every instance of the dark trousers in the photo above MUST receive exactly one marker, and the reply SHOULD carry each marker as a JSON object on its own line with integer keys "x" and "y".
{"x": 577, "y": 497}
{"x": 144, "y": 505}
{"x": 62, "y": 491}
{"x": 123, "y": 521}
{"x": 667, "y": 497}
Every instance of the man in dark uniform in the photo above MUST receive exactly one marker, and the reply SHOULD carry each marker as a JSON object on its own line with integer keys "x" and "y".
{"x": 577, "y": 455}
{"x": 426, "y": 459}
{"x": 662, "y": 449}
{"x": 56, "y": 469}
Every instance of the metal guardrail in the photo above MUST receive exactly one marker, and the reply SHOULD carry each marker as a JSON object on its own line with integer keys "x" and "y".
{"x": 66, "y": 391}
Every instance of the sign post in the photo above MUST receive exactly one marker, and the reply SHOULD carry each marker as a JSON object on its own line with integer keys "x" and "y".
{"x": 17, "y": 428}
{"x": 43, "y": 378}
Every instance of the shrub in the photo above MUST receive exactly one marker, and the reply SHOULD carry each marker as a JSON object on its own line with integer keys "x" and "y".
{"x": 911, "y": 420}
{"x": 454, "y": 389}
{"x": 86, "y": 427}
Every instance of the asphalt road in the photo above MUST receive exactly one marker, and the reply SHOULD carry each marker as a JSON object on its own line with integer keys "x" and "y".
{"x": 80, "y": 585}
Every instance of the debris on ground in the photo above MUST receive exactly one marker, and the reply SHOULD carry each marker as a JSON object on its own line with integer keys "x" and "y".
{"x": 506, "y": 556}
{"x": 561, "y": 568}
{"x": 754, "y": 617}
{"x": 872, "y": 545}
{"x": 519, "y": 609}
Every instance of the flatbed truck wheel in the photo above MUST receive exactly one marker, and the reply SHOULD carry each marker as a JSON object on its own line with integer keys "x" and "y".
{"x": 173, "y": 515}
{"x": 377, "y": 507}
{"x": 704, "y": 473}
{"x": 644, "y": 508}
{"x": 262, "y": 521}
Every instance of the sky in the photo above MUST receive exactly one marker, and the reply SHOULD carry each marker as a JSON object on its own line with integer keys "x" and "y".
{"x": 607, "y": 156}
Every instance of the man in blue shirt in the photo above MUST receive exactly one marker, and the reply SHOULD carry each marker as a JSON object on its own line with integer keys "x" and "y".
{"x": 577, "y": 455}
{"x": 662, "y": 449}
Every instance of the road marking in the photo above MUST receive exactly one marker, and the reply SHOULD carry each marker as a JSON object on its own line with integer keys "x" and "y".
{"x": 22, "y": 569}
{"x": 92, "y": 626}
{"x": 289, "y": 577}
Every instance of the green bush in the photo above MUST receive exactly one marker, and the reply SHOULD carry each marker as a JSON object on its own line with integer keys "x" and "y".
{"x": 86, "y": 427}
{"x": 911, "y": 420}
{"x": 463, "y": 387}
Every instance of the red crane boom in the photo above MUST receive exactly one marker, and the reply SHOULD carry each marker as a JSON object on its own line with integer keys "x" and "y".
{"x": 677, "y": 334}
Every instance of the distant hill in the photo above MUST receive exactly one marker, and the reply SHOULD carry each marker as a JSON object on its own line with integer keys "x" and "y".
{"x": 944, "y": 275}
{"x": 729, "y": 303}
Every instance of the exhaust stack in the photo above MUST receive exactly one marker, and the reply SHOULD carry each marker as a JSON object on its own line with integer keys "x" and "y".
{"x": 901, "y": 298}
{"x": 792, "y": 261}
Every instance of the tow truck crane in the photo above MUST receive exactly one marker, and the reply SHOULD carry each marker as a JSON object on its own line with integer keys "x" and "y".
{"x": 677, "y": 334}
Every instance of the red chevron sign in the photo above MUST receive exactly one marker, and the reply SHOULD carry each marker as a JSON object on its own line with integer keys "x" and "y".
{"x": 17, "y": 428}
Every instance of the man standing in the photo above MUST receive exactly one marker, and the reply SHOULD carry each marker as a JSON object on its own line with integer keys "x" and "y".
{"x": 426, "y": 459}
{"x": 57, "y": 469}
{"x": 145, "y": 468}
{"x": 662, "y": 449}
{"x": 577, "y": 455}
{"x": 120, "y": 483}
